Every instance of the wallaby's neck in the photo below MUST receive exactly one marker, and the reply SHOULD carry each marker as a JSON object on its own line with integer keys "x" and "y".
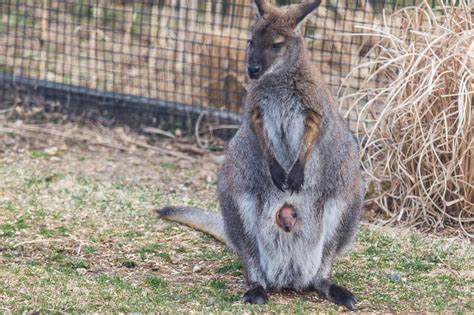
{"x": 300, "y": 78}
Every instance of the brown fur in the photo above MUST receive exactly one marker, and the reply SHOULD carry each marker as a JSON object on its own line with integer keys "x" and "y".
{"x": 257, "y": 124}
{"x": 312, "y": 125}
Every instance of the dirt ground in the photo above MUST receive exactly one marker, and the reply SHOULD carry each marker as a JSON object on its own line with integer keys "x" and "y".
{"x": 79, "y": 233}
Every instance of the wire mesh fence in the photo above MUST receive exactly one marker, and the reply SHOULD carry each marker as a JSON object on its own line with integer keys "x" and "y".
{"x": 179, "y": 57}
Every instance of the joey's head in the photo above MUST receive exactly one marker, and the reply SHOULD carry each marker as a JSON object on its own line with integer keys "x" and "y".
{"x": 275, "y": 42}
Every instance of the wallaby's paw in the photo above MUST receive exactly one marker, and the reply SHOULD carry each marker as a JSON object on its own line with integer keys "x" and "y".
{"x": 278, "y": 174}
{"x": 296, "y": 177}
{"x": 255, "y": 295}
{"x": 342, "y": 296}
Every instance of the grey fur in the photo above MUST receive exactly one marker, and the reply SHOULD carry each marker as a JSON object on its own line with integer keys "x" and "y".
{"x": 208, "y": 222}
{"x": 329, "y": 205}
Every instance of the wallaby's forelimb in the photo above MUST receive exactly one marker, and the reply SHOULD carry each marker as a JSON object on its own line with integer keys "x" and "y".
{"x": 295, "y": 179}
{"x": 312, "y": 125}
{"x": 276, "y": 171}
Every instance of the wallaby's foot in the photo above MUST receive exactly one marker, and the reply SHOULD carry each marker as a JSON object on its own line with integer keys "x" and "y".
{"x": 341, "y": 296}
{"x": 296, "y": 177}
{"x": 255, "y": 295}
{"x": 278, "y": 174}
{"x": 336, "y": 293}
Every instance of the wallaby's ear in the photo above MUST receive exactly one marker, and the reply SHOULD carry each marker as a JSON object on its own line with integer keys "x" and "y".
{"x": 258, "y": 8}
{"x": 300, "y": 12}
{"x": 262, "y": 8}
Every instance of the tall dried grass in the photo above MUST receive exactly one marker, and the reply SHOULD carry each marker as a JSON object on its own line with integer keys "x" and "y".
{"x": 419, "y": 146}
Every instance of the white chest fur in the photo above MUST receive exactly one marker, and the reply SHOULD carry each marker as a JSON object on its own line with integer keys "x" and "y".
{"x": 283, "y": 124}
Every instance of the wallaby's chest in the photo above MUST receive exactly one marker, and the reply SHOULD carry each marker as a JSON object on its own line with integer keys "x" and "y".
{"x": 283, "y": 124}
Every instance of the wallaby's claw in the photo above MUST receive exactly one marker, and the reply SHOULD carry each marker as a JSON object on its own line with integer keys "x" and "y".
{"x": 278, "y": 175}
{"x": 296, "y": 177}
{"x": 255, "y": 295}
{"x": 342, "y": 296}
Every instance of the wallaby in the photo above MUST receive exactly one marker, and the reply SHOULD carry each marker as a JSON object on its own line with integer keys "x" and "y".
{"x": 290, "y": 189}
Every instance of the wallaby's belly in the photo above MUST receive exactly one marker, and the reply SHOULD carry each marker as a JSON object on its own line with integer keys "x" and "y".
{"x": 294, "y": 259}
{"x": 291, "y": 264}
{"x": 284, "y": 130}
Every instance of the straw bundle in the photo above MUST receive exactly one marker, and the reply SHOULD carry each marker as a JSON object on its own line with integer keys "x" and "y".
{"x": 419, "y": 148}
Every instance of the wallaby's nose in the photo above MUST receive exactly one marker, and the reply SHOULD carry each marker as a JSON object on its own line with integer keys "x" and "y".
{"x": 254, "y": 70}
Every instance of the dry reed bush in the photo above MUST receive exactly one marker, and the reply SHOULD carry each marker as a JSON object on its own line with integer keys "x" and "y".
{"x": 419, "y": 148}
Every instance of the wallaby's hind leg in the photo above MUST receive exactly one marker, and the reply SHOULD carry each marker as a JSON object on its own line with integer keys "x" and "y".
{"x": 244, "y": 245}
{"x": 256, "y": 293}
{"x": 349, "y": 226}
{"x": 330, "y": 290}
{"x": 335, "y": 247}
{"x": 335, "y": 293}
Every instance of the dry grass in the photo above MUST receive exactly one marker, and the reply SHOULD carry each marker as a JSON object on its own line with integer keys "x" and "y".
{"x": 419, "y": 150}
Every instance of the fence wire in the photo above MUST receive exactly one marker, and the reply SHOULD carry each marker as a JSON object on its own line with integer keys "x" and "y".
{"x": 175, "y": 56}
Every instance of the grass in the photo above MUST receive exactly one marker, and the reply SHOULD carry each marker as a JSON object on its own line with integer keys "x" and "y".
{"x": 76, "y": 235}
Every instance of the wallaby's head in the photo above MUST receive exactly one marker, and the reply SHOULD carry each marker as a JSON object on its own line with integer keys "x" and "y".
{"x": 275, "y": 41}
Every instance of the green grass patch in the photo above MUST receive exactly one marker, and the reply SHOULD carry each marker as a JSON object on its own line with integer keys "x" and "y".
{"x": 165, "y": 256}
{"x": 90, "y": 249}
{"x": 167, "y": 165}
{"x": 155, "y": 282}
{"x": 149, "y": 249}
{"x": 217, "y": 284}
{"x": 128, "y": 263}
{"x": 233, "y": 267}
{"x": 8, "y": 230}
{"x": 114, "y": 281}
{"x": 58, "y": 231}
{"x": 37, "y": 154}
{"x": 8, "y": 206}
{"x": 208, "y": 254}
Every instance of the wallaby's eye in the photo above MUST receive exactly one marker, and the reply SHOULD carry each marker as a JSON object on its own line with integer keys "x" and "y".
{"x": 249, "y": 42}
{"x": 277, "y": 46}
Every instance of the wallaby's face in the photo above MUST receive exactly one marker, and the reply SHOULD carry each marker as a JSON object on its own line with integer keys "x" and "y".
{"x": 274, "y": 36}
{"x": 266, "y": 48}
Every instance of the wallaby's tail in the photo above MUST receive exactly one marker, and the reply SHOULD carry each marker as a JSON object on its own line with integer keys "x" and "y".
{"x": 207, "y": 222}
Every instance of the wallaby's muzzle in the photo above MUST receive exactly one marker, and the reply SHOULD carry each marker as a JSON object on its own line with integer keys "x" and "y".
{"x": 254, "y": 71}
